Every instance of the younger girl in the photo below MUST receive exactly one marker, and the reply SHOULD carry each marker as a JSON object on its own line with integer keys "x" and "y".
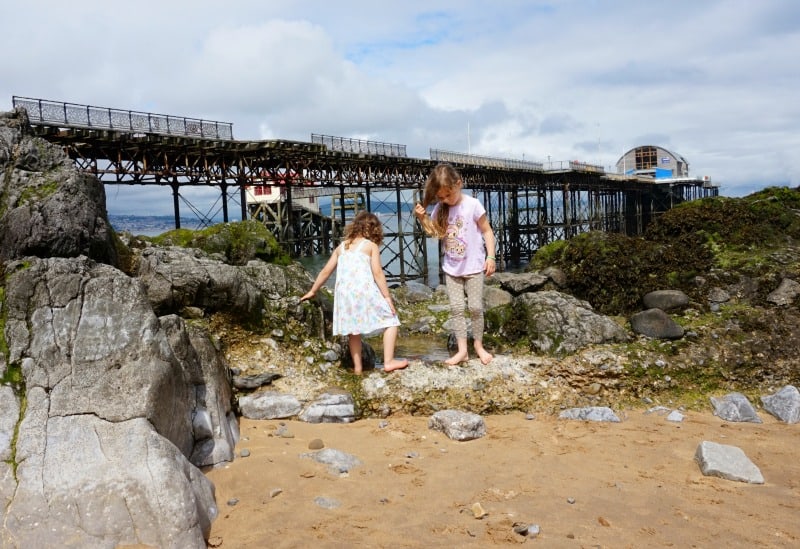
{"x": 460, "y": 220}
{"x": 361, "y": 301}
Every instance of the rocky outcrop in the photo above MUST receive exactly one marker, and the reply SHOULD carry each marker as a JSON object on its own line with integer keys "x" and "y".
{"x": 107, "y": 409}
{"x": 554, "y": 323}
{"x": 47, "y": 207}
{"x": 111, "y": 391}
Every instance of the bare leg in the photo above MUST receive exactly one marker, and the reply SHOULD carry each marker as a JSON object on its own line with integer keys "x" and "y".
{"x": 389, "y": 341}
{"x": 483, "y": 354}
{"x": 355, "y": 352}
{"x": 462, "y": 355}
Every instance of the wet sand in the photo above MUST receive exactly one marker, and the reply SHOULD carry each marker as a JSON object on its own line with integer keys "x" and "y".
{"x": 585, "y": 484}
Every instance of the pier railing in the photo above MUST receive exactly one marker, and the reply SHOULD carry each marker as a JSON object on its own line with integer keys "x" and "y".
{"x": 72, "y": 115}
{"x": 488, "y": 161}
{"x": 359, "y": 146}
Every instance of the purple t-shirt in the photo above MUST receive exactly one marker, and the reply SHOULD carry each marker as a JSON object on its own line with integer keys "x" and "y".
{"x": 464, "y": 252}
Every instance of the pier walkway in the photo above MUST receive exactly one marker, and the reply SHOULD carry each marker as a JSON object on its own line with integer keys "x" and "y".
{"x": 528, "y": 204}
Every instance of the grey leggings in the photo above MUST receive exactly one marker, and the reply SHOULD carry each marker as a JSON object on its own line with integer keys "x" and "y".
{"x": 473, "y": 286}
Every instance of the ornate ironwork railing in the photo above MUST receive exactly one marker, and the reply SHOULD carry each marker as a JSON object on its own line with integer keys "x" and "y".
{"x": 56, "y": 113}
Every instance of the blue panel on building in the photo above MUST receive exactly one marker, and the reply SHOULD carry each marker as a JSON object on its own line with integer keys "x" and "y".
{"x": 662, "y": 173}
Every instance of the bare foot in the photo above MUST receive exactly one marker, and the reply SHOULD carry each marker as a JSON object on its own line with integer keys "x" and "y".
{"x": 457, "y": 358}
{"x": 395, "y": 364}
{"x": 484, "y": 355}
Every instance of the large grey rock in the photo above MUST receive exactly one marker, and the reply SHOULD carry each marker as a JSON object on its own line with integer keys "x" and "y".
{"x": 101, "y": 370}
{"x": 176, "y": 278}
{"x": 559, "y": 323}
{"x": 82, "y": 483}
{"x": 9, "y": 416}
{"x": 728, "y": 462}
{"x": 49, "y": 208}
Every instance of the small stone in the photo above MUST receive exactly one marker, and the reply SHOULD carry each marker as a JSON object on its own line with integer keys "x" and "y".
{"x": 275, "y": 492}
{"x": 316, "y": 444}
{"x": 233, "y": 501}
{"x": 521, "y": 529}
{"x": 478, "y": 511}
{"x": 244, "y": 453}
{"x": 570, "y": 500}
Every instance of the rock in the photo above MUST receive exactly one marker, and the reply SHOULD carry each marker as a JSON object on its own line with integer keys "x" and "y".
{"x": 416, "y": 292}
{"x": 728, "y": 462}
{"x": 269, "y": 405}
{"x": 336, "y": 460}
{"x": 333, "y": 406}
{"x": 559, "y": 323}
{"x": 49, "y": 208}
{"x": 254, "y": 381}
{"x": 518, "y": 283}
{"x": 590, "y": 413}
{"x": 735, "y": 407}
{"x": 785, "y": 293}
{"x": 718, "y": 295}
{"x": 657, "y": 324}
{"x": 784, "y": 405}
{"x": 666, "y": 300}
{"x": 555, "y": 274}
{"x": 458, "y": 425}
{"x": 495, "y": 297}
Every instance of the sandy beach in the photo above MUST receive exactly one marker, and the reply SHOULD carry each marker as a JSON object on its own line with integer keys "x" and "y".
{"x": 585, "y": 484}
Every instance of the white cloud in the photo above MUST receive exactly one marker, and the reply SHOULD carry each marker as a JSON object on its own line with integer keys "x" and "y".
{"x": 713, "y": 81}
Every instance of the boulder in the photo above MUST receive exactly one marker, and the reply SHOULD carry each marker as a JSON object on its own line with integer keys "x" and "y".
{"x": 49, "y": 208}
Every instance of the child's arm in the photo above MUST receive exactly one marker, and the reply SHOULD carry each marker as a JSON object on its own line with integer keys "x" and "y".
{"x": 424, "y": 220}
{"x": 377, "y": 273}
{"x": 490, "y": 264}
{"x": 323, "y": 275}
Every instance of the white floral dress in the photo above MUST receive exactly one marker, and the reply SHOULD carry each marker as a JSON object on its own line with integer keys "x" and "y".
{"x": 358, "y": 306}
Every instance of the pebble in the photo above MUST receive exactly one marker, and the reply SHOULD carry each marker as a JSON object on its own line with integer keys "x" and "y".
{"x": 244, "y": 453}
{"x": 233, "y": 501}
{"x": 570, "y": 500}
{"x": 478, "y": 511}
{"x": 275, "y": 492}
{"x": 316, "y": 444}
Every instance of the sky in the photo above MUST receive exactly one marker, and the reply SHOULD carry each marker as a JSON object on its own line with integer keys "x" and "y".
{"x": 715, "y": 81}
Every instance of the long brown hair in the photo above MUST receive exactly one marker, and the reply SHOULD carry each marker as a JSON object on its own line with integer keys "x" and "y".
{"x": 366, "y": 225}
{"x": 442, "y": 176}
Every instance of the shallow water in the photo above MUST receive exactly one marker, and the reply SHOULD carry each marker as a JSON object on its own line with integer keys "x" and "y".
{"x": 424, "y": 347}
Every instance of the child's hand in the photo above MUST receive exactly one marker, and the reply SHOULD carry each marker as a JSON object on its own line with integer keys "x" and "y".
{"x": 308, "y": 296}
{"x": 419, "y": 211}
{"x": 489, "y": 266}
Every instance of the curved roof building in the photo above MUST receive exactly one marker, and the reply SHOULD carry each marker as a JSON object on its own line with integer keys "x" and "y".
{"x": 653, "y": 161}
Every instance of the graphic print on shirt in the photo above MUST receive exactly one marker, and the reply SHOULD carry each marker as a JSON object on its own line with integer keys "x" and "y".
{"x": 454, "y": 245}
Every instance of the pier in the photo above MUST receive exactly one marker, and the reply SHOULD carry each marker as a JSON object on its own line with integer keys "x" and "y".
{"x": 305, "y": 192}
